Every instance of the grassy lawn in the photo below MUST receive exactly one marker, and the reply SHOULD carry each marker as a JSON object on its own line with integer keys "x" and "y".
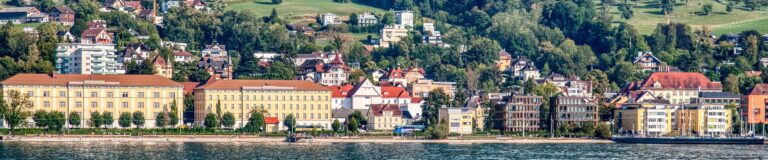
{"x": 298, "y": 8}
{"x": 647, "y": 16}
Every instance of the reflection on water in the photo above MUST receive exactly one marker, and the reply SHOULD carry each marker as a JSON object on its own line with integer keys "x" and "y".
{"x": 244, "y": 150}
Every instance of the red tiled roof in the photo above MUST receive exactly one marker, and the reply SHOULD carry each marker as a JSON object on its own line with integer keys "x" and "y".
{"x": 271, "y": 120}
{"x": 182, "y": 53}
{"x": 160, "y": 61}
{"x": 238, "y": 84}
{"x": 65, "y": 79}
{"x": 394, "y": 92}
{"x": 134, "y": 4}
{"x": 759, "y": 89}
{"x": 341, "y": 92}
{"x": 680, "y": 80}
{"x": 416, "y": 100}
{"x": 395, "y": 73}
{"x": 378, "y": 109}
{"x": 189, "y": 87}
{"x": 416, "y": 69}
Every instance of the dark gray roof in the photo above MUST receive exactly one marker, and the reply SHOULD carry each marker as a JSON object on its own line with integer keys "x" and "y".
{"x": 407, "y": 115}
{"x": 344, "y": 112}
{"x": 718, "y": 95}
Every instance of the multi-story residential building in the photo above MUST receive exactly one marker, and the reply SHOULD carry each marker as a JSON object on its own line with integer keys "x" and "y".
{"x": 523, "y": 69}
{"x": 364, "y": 94}
{"x": 384, "y": 117}
{"x": 310, "y": 103}
{"x": 573, "y": 111}
{"x": 77, "y": 58}
{"x": 392, "y": 34}
{"x": 366, "y": 19}
{"x": 677, "y": 87}
{"x": 646, "y": 62}
{"x": 753, "y": 105}
{"x": 698, "y": 120}
{"x": 717, "y": 99}
{"x": 215, "y": 50}
{"x": 63, "y": 15}
{"x": 340, "y": 97}
{"x": 397, "y": 76}
{"x": 333, "y": 73}
{"x": 96, "y": 33}
{"x": 459, "y": 119}
{"x": 422, "y": 87}
{"x": 162, "y": 67}
{"x": 650, "y": 117}
{"x": 329, "y": 19}
{"x": 182, "y": 56}
{"x": 428, "y": 27}
{"x": 135, "y": 52}
{"x": 404, "y": 18}
{"x": 85, "y": 94}
{"x": 505, "y": 60}
{"x": 518, "y": 113}
{"x": 217, "y": 67}
{"x": 18, "y": 15}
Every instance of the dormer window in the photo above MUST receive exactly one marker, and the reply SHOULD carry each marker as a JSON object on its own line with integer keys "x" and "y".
{"x": 657, "y": 85}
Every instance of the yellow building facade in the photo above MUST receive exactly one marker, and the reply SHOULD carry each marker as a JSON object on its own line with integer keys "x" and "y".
{"x": 310, "y": 103}
{"x": 149, "y": 94}
{"x": 690, "y": 120}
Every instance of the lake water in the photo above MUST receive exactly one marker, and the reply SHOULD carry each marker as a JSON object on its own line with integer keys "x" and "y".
{"x": 241, "y": 150}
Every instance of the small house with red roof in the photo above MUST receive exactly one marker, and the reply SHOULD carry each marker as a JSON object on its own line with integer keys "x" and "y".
{"x": 163, "y": 67}
{"x": 384, "y": 117}
{"x": 182, "y": 56}
{"x": 272, "y": 124}
{"x": 398, "y": 76}
{"x": 340, "y": 96}
{"x": 96, "y": 33}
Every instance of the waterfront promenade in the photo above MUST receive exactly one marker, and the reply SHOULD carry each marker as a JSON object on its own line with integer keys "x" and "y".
{"x": 256, "y": 139}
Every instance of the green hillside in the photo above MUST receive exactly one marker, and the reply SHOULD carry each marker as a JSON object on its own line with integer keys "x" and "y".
{"x": 647, "y": 16}
{"x": 298, "y": 8}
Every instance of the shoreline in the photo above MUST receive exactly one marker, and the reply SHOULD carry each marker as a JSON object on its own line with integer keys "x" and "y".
{"x": 254, "y": 139}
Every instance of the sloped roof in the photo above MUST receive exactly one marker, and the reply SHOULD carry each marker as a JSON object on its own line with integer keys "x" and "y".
{"x": 341, "y": 91}
{"x": 134, "y": 4}
{"x": 504, "y": 54}
{"x": 265, "y": 84}
{"x": 189, "y": 87}
{"x": 759, "y": 89}
{"x": 394, "y": 92}
{"x": 64, "y": 79}
{"x": 64, "y": 9}
{"x": 159, "y": 60}
{"x": 680, "y": 80}
{"x": 182, "y": 53}
{"x": 378, "y": 109}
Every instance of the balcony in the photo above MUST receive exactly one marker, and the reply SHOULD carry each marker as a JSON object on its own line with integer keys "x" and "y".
{"x": 97, "y": 54}
{"x": 96, "y": 60}
{"x": 111, "y": 56}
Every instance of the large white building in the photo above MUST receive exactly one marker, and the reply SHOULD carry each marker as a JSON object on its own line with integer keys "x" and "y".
{"x": 367, "y": 18}
{"x": 404, "y": 18}
{"x": 364, "y": 94}
{"x": 392, "y": 34}
{"x": 77, "y": 58}
{"x": 329, "y": 19}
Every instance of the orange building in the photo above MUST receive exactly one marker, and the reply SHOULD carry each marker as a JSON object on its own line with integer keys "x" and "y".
{"x": 753, "y": 104}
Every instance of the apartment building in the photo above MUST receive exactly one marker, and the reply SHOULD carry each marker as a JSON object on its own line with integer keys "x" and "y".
{"x": 149, "y": 94}
{"x": 459, "y": 119}
{"x": 310, "y": 103}
{"x": 518, "y": 113}
{"x": 573, "y": 110}
{"x": 79, "y": 58}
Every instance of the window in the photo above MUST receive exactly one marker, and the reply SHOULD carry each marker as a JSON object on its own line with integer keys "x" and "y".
{"x": 172, "y": 94}
{"x": 109, "y": 104}
{"x": 62, "y": 94}
{"x": 78, "y": 104}
{"x": 141, "y": 94}
{"x": 156, "y": 94}
{"x": 94, "y": 104}
{"x": 46, "y": 94}
{"x": 125, "y": 104}
{"x": 46, "y": 104}
{"x": 110, "y": 94}
{"x": 156, "y": 104}
{"x": 125, "y": 94}
{"x": 30, "y": 93}
{"x": 94, "y": 94}
{"x": 141, "y": 104}
{"x": 62, "y": 104}
{"x": 79, "y": 94}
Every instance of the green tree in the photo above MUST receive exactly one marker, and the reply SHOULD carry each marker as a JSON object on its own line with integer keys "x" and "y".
{"x": 109, "y": 119}
{"x": 706, "y": 9}
{"x": 125, "y": 120}
{"x": 74, "y": 119}
{"x": 15, "y": 110}
{"x": 228, "y": 120}
{"x": 626, "y": 11}
{"x": 439, "y": 131}
{"x": 353, "y": 125}
{"x": 546, "y": 91}
{"x": 41, "y": 118}
{"x": 290, "y": 122}
{"x": 138, "y": 119}
{"x": 56, "y": 120}
{"x": 603, "y": 131}
{"x": 96, "y": 120}
{"x": 173, "y": 116}
{"x": 255, "y": 123}
{"x": 436, "y": 99}
{"x": 161, "y": 120}
{"x": 279, "y": 71}
{"x": 482, "y": 51}
{"x": 211, "y": 121}
{"x": 218, "y": 110}
{"x": 667, "y": 7}
{"x": 336, "y": 125}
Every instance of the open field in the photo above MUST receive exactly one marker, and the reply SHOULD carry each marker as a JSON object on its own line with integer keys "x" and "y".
{"x": 292, "y": 8}
{"x": 647, "y": 16}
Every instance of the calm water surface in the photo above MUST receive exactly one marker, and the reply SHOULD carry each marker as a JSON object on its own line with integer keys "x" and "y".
{"x": 241, "y": 150}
